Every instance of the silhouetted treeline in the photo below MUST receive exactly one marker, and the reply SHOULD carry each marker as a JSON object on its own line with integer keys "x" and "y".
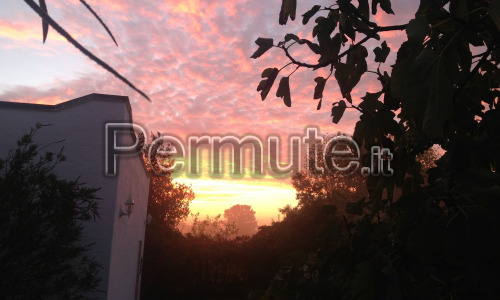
{"x": 280, "y": 260}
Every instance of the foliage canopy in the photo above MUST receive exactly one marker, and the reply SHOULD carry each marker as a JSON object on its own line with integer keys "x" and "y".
{"x": 436, "y": 239}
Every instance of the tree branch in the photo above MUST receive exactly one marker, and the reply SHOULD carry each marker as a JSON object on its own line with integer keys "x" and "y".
{"x": 82, "y": 49}
{"x": 366, "y": 38}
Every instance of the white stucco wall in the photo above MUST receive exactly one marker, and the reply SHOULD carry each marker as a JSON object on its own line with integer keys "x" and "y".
{"x": 123, "y": 283}
{"x": 128, "y": 236}
{"x": 81, "y": 124}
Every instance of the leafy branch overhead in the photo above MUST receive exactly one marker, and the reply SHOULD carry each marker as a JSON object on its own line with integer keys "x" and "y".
{"x": 341, "y": 30}
{"x": 42, "y": 11}
{"x": 335, "y": 27}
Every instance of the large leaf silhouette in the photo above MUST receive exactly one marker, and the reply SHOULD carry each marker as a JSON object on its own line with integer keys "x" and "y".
{"x": 288, "y": 8}
{"x": 338, "y": 110}
{"x": 309, "y": 14}
{"x": 264, "y": 45}
{"x": 427, "y": 95}
{"x": 265, "y": 85}
{"x": 284, "y": 91}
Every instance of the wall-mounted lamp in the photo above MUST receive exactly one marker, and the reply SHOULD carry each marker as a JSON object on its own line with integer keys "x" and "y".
{"x": 129, "y": 207}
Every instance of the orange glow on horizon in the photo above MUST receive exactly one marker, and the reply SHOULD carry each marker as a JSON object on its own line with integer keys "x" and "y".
{"x": 264, "y": 196}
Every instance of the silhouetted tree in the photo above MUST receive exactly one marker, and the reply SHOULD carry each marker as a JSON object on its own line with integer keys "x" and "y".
{"x": 168, "y": 204}
{"x": 41, "y": 222}
{"x": 327, "y": 187}
{"x": 243, "y": 216}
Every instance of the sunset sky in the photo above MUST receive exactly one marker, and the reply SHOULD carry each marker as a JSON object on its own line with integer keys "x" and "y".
{"x": 193, "y": 59}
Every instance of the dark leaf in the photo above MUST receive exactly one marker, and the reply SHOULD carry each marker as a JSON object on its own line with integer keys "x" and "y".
{"x": 338, "y": 110}
{"x": 100, "y": 20}
{"x": 291, "y": 36}
{"x": 326, "y": 26}
{"x": 364, "y": 9}
{"x": 386, "y": 6}
{"x": 415, "y": 86}
{"x": 319, "y": 104}
{"x": 268, "y": 72}
{"x": 313, "y": 46}
{"x": 371, "y": 103}
{"x": 346, "y": 7}
{"x": 451, "y": 60}
{"x": 266, "y": 84}
{"x": 405, "y": 56}
{"x": 261, "y": 85}
{"x": 331, "y": 49}
{"x": 320, "y": 86}
{"x": 381, "y": 53}
{"x": 346, "y": 28}
{"x": 359, "y": 133}
{"x": 458, "y": 9}
{"x": 336, "y": 44}
{"x": 362, "y": 27}
{"x": 357, "y": 55}
{"x": 308, "y": 15}
{"x": 349, "y": 74}
{"x": 472, "y": 37}
{"x": 288, "y": 8}
{"x": 427, "y": 94}
{"x": 284, "y": 91}
{"x": 390, "y": 102}
{"x": 494, "y": 11}
{"x": 319, "y": 25}
{"x": 45, "y": 24}
{"x": 439, "y": 103}
{"x": 264, "y": 45}
{"x": 417, "y": 29}
{"x": 343, "y": 74}
{"x": 374, "y": 6}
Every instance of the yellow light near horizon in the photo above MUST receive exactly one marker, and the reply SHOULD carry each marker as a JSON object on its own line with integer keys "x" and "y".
{"x": 213, "y": 196}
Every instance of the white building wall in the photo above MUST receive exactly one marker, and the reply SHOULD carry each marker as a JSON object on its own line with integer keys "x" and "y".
{"x": 80, "y": 123}
{"x": 128, "y": 235}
